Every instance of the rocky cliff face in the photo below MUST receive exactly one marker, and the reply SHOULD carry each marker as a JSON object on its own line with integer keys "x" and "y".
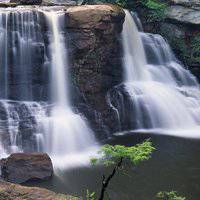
{"x": 96, "y": 58}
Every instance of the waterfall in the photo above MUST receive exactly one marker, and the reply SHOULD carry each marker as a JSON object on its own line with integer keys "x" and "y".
{"x": 67, "y": 133}
{"x": 19, "y": 125}
{"x": 20, "y": 42}
{"x": 133, "y": 56}
{"x": 165, "y": 96}
{"x": 34, "y": 46}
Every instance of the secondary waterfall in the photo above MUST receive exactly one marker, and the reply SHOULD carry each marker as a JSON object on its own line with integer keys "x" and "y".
{"x": 20, "y": 42}
{"x": 163, "y": 93}
{"x": 67, "y": 132}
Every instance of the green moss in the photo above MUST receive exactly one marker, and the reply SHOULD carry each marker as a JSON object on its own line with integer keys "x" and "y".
{"x": 195, "y": 50}
{"x": 179, "y": 43}
{"x": 73, "y": 78}
{"x": 189, "y": 52}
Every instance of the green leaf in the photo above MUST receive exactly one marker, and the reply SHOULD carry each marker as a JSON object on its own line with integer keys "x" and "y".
{"x": 172, "y": 195}
{"x": 110, "y": 154}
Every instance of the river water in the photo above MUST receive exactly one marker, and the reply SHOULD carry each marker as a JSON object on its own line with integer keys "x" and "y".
{"x": 175, "y": 165}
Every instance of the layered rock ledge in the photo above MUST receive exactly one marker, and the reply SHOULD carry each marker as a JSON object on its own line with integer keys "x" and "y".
{"x": 10, "y": 191}
{"x": 185, "y": 11}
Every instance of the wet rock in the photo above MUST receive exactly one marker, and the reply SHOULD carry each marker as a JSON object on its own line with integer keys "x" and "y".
{"x": 21, "y": 167}
{"x": 14, "y": 191}
{"x": 60, "y": 2}
{"x": 95, "y": 49}
{"x": 189, "y": 3}
{"x": 184, "y": 14}
{"x": 26, "y": 2}
{"x": 183, "y": 20}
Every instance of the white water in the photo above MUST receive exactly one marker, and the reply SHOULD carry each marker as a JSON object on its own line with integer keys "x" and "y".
{"x": 134, "y": 54}
{"x": 67, "y": 133}
{"x": 19, "y": 37}
{"x": 25, "y": 125}
{"x": 158, "y": 84}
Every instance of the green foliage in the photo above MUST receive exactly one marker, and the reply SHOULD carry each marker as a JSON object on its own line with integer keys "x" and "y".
{"x": 116, "y": 155}
{"x": 173, "y": 195}
{"x": 189, "y": 52}
{"x": 154, "y": 10}
{"x": 195, "y": 49}
{"x": 90, "y": 196}
{"x": 180, "y": 43}
{"x": 154, "y": 5}
{"x": 110, "y": 155}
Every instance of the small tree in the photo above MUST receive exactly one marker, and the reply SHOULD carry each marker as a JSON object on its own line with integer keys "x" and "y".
{"x": 118, "y": 156}
{"x": 173, "y": 195}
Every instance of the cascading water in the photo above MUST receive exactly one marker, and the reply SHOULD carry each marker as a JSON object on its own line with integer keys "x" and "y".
{"x": 67, "y": 133}
{"x": 163, "y": 94}
{"x": 20, "y": 40}
{"x": 19, "y": 125}
{"x": 32, "y": 121}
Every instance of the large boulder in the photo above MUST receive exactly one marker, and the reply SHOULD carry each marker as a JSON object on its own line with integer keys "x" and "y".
{"x": 21, "y": 167}
{"x": 10, "y": 191}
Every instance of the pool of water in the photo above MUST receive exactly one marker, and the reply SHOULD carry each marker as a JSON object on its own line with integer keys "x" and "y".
{"x": 175, "y": 165}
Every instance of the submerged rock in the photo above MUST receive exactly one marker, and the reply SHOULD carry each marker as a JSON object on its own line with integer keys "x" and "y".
{"x": 10, "y": 191}
{"x": 21, "y": 167}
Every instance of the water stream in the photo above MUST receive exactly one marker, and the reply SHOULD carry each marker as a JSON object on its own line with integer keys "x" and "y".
{"x": 67, "y": 132}
{"x": 164, "y": 95}
{"x": 31, "y": 123}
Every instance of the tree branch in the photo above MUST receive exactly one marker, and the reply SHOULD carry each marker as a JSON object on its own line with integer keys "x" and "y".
{"x": 106, "y": 181}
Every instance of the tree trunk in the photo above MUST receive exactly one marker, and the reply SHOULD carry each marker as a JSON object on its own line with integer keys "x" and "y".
{"x": 106, "y": 181}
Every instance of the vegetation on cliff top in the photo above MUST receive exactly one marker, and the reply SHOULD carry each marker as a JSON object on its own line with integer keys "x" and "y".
{"x": 154, "y": 10}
